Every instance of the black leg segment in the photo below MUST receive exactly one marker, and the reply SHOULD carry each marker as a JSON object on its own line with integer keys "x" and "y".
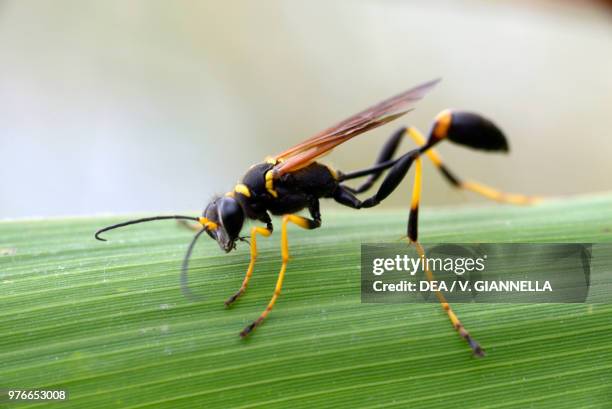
{"x": 345, "y": 196}
{"x": 384, "y": 157}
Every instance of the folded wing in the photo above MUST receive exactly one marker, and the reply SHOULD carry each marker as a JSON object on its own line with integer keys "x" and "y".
{"x": 318, "y": 145}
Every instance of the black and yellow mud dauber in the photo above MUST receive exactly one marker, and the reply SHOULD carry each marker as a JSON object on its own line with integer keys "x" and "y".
{"x": 293, "y": 180}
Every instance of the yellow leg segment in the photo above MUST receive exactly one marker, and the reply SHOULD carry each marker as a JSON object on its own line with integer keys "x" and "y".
{"x": 254, "y": 232}
{"x": 477, "y": 350}
{"x": 420, "y": 140}
{"x": 493, "y": 194}
{"x": 416, "y": 190}
{"x": 414, "y": 205}
{"x": 412, "y": 235}
{"x": 303, "y": 223}
{"x": 476, "y": 187}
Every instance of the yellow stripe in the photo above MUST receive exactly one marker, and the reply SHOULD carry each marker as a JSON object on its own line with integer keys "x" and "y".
{"x": 300, "y": 221}
{"x": 270, "y": 183}
{"x": 496, "y": 195}
{"x": 332, "y": 171}
{"x": 242, "y": 189}
{"x": 208, "y": 224}
{"x": 443, "y": 123}
{"x": 416, "y": 190}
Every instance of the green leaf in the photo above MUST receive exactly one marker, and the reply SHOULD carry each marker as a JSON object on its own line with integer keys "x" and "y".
{"x": 108, "y": 323}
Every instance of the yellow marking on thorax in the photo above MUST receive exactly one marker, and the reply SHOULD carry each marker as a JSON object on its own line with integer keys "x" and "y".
{"x": 242, "y": 189}
{"x": 270, "y": 183}
{"x": 333, "y": 171}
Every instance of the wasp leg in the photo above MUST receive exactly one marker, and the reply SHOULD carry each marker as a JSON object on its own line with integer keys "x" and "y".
{"x": 304, "y": 223}
{"x": 413, "y": 237}
{"x": 476, "y": 187}
{"x": 385, "y": 156}
{"x": 264, "y": 231}
{"x": 384, "y": 162}
{"x": 399, "y": 169}
{"x": 477, "y": 350}
{"x": 346, "y": 197}
{"x": 413, "y": 217}
{"x": 397, "y": 173}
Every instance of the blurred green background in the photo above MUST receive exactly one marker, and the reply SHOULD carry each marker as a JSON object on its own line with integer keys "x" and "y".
{"x": 115, "y": 106}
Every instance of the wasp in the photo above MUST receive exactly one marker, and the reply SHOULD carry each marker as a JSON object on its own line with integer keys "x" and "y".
{"x": 294, "y": 180}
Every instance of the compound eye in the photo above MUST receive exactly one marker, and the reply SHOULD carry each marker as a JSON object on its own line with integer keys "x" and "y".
{"x": 231, "y": 216}
{"x": 211, "y": 211}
